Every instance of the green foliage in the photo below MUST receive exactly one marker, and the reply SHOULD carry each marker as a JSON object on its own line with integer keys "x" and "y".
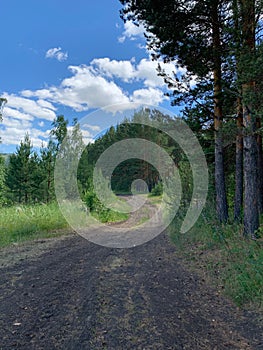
{"x": 131, "y": 169}
{"x": 59, "y": 129}
{"x": 99, "y": 211}
{"x": 47, "y": 165}
{"x": 23, "y": 174}
{"x": 67, "y": 160}
{"x": 157, "y": 190}
{"x": 97, "y": 208}
{"x": 2, "y": 181}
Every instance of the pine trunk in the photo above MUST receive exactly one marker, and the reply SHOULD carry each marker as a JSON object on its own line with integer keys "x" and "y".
{"x": 260, "y": 169}
{"x": 239, "y": 166}
{"x": 221, "y": 198}
{"x": 251, "y": 216}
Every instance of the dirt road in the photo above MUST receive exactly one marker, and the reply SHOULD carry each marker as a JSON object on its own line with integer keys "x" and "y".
{"x": 71, "y": 294}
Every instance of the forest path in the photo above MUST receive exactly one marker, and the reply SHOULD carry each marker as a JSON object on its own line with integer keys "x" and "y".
{"x": 72, "y": 294}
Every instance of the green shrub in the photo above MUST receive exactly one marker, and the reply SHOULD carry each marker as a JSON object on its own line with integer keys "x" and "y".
{"x": 157, "y": 190}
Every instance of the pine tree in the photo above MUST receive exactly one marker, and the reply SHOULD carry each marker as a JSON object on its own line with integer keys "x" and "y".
{"x": 47, "y": 164}
{"x": 2, "y": 180}
{"x": 22, "y": 173}
{"x": 246, "y": 59}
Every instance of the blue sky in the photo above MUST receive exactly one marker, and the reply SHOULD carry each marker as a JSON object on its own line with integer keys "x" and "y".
{"x": 71, "y": 58}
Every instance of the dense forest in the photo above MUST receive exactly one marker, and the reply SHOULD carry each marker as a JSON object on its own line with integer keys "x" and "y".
{"x": 219, "y": 46}
{"x": 27, "y": 176}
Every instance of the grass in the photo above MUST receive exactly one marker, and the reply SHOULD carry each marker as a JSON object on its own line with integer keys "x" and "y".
{"x": 233, "y": 264}
{"x": 28, "y": 222}
{"x": 110, "y": 216}
{"x": 155, "y": 200}
{"x": 22, "y": 223}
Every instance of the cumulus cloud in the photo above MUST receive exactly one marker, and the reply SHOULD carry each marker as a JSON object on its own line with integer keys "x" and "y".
{"x": 28, "y": 107}
{"x": 128, "y": 71}
{"x": 19, "y": 116}
{"x": 131, "y": 31}
{"x": 97, "y": 85}
{"x": 148, "y": 96}
{"x": 57, "y": 53}
{"x": 84, "y": 90}
{"x": 15, "y": 130}
{"x": 124, "y": 70}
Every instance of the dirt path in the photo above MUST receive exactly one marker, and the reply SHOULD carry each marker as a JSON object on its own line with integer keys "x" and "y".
{"x": 72, "y": 294}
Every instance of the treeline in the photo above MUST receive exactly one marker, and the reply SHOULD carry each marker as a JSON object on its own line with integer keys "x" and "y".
{"x": 218, "y": 49}
{"x": 27, "y": 176}
{"x": 139, "y": 126}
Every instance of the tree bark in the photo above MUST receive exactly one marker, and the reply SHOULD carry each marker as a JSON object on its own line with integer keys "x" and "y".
{"x": 221, "y": 198}
{"x": 260, "y": 169}
{"x": 251, "y": 215}
{"x": 239, "y": 164}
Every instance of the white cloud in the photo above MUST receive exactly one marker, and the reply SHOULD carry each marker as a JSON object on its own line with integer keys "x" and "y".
{"x": 57, "y": 53}
{"x": 18, "y": 117}
{"x": 15, "y": 130}
{"x": 128, "y": 71}
{"x": 29, "y": 108}
{"x": 46, "y": 104}
{"x": 14, "y": 113}
{"x": 91, "y": 127}
{"x": 112, "y": 68}
{"x": 97, "y": 85}
{"x": 84, "y": 90}
{"x": 131, "y": 31}
{"x": 148, "y": 96}
{"x": 41, "y": 94}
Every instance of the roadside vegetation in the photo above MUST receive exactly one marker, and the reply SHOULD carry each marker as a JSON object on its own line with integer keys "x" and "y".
{"x": 224, "y": 257}
{"x": 20, "y": 223}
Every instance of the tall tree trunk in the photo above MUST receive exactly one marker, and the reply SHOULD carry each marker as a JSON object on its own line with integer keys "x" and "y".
{"x": 239, "y": 164}
{"x": 221, "y": 198}
{"x": 251, "y": 216}
{"x": 260, "y": 169}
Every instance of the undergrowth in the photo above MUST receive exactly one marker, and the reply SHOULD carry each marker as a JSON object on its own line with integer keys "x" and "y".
{"x": 231, "y": 262}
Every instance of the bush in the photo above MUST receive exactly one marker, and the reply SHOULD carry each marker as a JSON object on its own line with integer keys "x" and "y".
{"x": 99, "y": 211}
{"x": 157, "y": 190}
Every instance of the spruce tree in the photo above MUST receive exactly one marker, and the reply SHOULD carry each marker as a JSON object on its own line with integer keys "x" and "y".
{"x": 22, "y": 173}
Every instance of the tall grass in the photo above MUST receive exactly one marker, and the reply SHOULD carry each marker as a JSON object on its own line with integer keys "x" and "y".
{"x": 234, "y": 264}
{"x": 21, "y": 223}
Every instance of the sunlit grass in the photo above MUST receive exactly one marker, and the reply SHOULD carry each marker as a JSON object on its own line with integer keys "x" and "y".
{"x": 20, "y": 223}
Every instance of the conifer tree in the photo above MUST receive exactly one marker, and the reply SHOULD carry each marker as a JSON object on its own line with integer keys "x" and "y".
{"x": 22, "y": 173}
{"x": 2, "y": 180}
